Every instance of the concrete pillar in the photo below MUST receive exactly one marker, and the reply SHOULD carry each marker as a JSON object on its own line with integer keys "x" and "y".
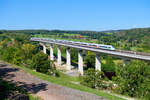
{"x": 58, "y": 55}
{"x": 44, "y": 48}
{"x": 124, "y": 61}
{"x": 80, "y": 61}
{"x": 68, "y": 59}
{"x": 97, "y": 62}
{"x": 51, "y": 52}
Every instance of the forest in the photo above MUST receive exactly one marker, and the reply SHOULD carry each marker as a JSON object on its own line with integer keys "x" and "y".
{"x": 131, "y": 80}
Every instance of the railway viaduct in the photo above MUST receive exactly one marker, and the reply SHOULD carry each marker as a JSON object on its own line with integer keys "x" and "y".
{"x": 120, "y": 53}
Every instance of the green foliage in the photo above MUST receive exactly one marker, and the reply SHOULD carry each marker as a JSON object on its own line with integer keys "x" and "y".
{"x": 12, "y": 55}
{"x": 90, "y": 60}
{"x": 28, "y": 50}
{"x": 93, "y": 78}
{"x": 109, "y": 66}
{"x": 41, "y": 64}
{"x": 34, "y": 98}
{"x": 74, "y": 54}
{"x": 134, "y": 80}
{"x": 7, "y": 89}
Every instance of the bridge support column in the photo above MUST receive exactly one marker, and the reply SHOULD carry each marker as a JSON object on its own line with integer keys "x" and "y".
{"x": 51, "y": 52}
{"x": 97, "y": 62}
{"x": 125, "y": 61}
{"x": 68, "y": 59}
{"x": 44, "y": 48}
{"x": 80, "y": 61}
{"x": 58, "y": 55}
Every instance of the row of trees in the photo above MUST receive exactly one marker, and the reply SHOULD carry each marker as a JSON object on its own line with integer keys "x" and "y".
{"x": 27, "y": 54}
{"x": 132, "y": 80}
{"x": 122, "y": 39}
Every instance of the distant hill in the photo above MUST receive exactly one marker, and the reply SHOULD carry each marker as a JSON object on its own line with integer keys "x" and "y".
{"x": 111, "y": 31}
{"x": 126, "y": 39}
{"x": 69, "y": 31}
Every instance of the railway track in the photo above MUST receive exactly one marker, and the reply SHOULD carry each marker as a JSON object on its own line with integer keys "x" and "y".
{"x": 125, "y": 53}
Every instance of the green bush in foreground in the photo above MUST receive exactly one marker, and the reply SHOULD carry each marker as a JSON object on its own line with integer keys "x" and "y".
{"x": 134, "y": 80}
{"x": 9, "y": 91}
{"x": 41, "y": 64}
{"x": 93, "y": 78}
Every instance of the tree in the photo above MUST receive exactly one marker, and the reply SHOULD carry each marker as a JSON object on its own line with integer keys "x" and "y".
{"x": 28, "y": 50}
{"x": 41, "y": 64}
{"x": 93, "y": 78}
{"x": 74, "y": 54}
{"x": 109, "y": 68}
{"x": 12, "y": 55}
{"x": 134, "y": 79}
{"x": 90, "y": 60}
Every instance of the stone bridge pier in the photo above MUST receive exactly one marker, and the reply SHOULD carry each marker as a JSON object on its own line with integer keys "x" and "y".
{"x": 68, "y": 58}
{"x": 80, "y": 61}
{"x": 44, "y": 48}
{"x": 51, "y": 52}
{"x": 59, "y": 55}
{"x": 97, "y": 62}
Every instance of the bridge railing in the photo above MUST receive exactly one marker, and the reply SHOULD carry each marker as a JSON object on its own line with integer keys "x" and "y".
{"x": 133, "y": 52}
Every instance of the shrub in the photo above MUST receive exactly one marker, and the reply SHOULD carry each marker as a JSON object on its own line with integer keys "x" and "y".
{"x": 109, "y": 68}
{"x": 93, "y": 78}
{"x": 27, "y": 50}
{"x": 10, "y": 91}
{"x": 41, "y": 64}
{"x": 12, "y": 55}
{"x": 90, "y": 60}
{"x": 1, "y": 52}
{"x": 134, "y": 79}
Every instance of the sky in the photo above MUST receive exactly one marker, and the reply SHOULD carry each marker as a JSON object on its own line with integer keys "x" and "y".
{"x": 97, "y": 15}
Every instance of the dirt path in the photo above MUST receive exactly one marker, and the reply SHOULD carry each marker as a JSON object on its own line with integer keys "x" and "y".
{"x": 41, "y": 88}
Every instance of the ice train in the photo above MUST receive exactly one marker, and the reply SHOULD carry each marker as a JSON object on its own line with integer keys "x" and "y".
{"x": 91, "y": 45}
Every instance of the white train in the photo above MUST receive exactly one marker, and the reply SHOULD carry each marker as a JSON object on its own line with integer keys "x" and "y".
{"x": 92, "y": 45}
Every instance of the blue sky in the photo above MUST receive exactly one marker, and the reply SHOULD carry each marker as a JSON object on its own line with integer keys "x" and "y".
{"x": 95, "y": 15}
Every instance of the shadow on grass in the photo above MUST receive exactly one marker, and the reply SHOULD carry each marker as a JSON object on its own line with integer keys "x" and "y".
{"x": 33, "y": 87}
{"x": 9, "y": 87}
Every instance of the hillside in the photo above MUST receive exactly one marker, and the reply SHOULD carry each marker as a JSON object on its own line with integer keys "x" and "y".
{"x": 132, "y": 39}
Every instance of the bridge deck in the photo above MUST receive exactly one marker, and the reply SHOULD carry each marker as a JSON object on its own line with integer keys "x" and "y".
{"x": 120, "y": 53}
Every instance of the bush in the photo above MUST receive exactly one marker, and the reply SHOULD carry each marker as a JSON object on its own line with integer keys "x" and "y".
{"x": 109, "y": 68}
{"x": 90, "y": 60}
{"x": 93, "y": 78}
{"x": 134, "y": 79}
{"x": 41, "y": 64}
{"x": 10, "y": 91}
{"x": 27, "y": 50}
{"x": 12, "y": 55}
{"x": 1, "y": 53}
